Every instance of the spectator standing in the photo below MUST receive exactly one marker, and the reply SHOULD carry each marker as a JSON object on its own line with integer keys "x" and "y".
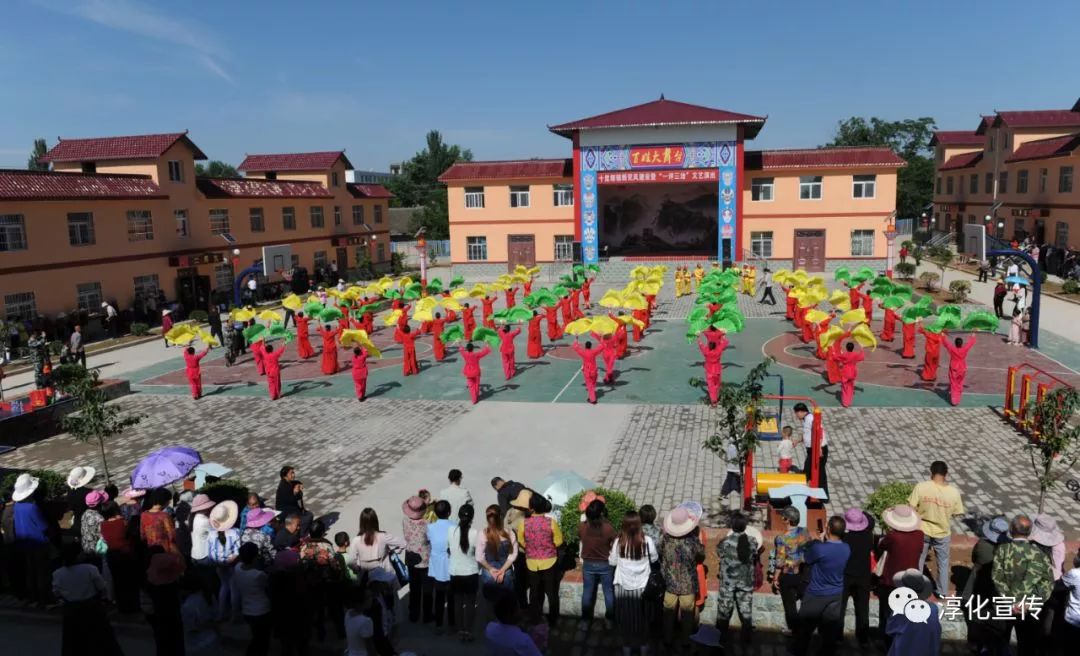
{"x": 438, "y": 535}
{"x": 163, "y": 592}
{"x": 250, "y": 587}
{"x": 907, "y": 637}
{"x": 897, "y": 551}
{"x": 32, "y": 540}
{"x": 822, "y": 606}
{"x": 633, "y": 555}
{"x": 937, "y": 503}
{"x": 372, "y": 547}
{"x": 112, "y": 320}
{"x": 464, "y": 571}
{"x": 860, "y": 539}
{"x": 496, "y": 556}
{"x": 1071, "y": 628}
{"x": 417, "y": 554}
{"x": 1022, "y": 571}
{"x": 85, "y": 628}
{"x": 985, "y": 632}
{"x": 504, "y": 635}
{"x": 737, "y": 554}
{"x": 596, "y": 535}
{"x": 323, "y": 573}
{"x": 680, "y": 554}
{"x": 787, "y": 574}
{"x": 540, "y": 537}
{"x": 454, "y": 493}
{"x": 222, "y": 551}
{"x": 76, "y": 347}
{"x": 1000, "y": 292}
{"x": 806, "y": 420}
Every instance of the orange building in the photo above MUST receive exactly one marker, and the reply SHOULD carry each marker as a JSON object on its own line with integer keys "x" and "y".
{"x": 667, "y": 180}
{"x": 1016, "y": 173}
{"x": 119, "y": 218}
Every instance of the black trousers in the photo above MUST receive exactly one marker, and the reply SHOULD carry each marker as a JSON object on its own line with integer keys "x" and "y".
{"x": 983, "y": 275}
{"x": 444, "y": 603}
{"x": 791, "y": 587}
{"x": 215, "y": 331}
{"x": 858, "y": 590}
{"x": 420, "y": 595}
{"x": 521, "y": 580}
{"x": 767, "y": 294}
{"x": 289, "y": 314}
{"x": 541, "y": 584}
{"x": 262, "y": 628}
{"x": 80, "y": 357}
{"x": 1029, "y": 636}
{"x": 823, "y": 477}
{"x": 822, "y": 614}
{"x": 999, "y": 306}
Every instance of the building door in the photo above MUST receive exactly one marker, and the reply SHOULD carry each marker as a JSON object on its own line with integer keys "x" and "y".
{"x": 520, "y": 249}
{"x": 810, "y": 250}
{"x": 1040, "y": 231}
{"x": 342, "y": 263}
{"x": 193, "y": 290}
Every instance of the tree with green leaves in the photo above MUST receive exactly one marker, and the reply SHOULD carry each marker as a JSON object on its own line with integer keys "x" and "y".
{"x": 34, "y": 163}
{"x": 1056, "y": 449}
{"x": 95, "y": 419}
{"x": 941, "y": 257}
{"x": 910, "y": 140}
{"x": 216, "y": 169}
{"x": 418, "y": 185}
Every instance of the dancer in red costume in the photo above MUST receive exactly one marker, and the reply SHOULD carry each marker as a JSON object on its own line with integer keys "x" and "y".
{"x": 193, "y": 371}
{"x": 511, "y": 296}
{"x": 259, "y": 355}
{"x": 488, "y": 303}
{"x": 713, "y": 351}
{"x": 610, "y": 353}
{"x": 407, "y": 337}
{"x": 586, "y": 291}
{"x": 907, "y": 331}
{"x": 798, "y": 318}
{"x": 855, "y": 295}
{"x": 344, "y": 322}
{"x": 651, "y": 300}
{"x": 849, "y": 372}
{"x": 367, "y": 321}
{"x": 958, "y": 352}
{"x": 551, "y": 314}
{"x": 360, "y": 372}
{"x": 791, "y": 304}
{"x": 888, "y": 330}
{"x": 329, "y": 349}
{"x": 714, "y": 308}
{"x": 437, "y": 325}
{"x": 468, "y": 320}
{"x": 535, "y": 346}
{"x": 807, "y": 326}
{"x": 402, "y": 322}
{"x": 819, "y": 328}
{"x": 868, "y": 307}
{"x": 639, "y": 331}
{"x": 713, "y": 334}
{"x": 471, "y": 370}
{"x": 273, "y": 370}
{"x": 528, "y": 286}
{"x": 564, "y": 310}
{"x": 303, "y": 338}
{"x": 933, "y": 353}
{"x": 506, "y": 350}
{"x": 575, "y": 300}
{"x": 588, "y": 354}
{"x": 832, "y": 363}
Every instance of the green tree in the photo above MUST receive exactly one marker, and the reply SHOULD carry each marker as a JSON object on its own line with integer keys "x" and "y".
{"x": 95, "y": 419}
{"x": 40, "y": 149}
{"x": 1057, "y": 448}
{"x": 909, "y": 139}
{"x": 216, "y": 169}
{"x": 418, "y": 185}
{"x": 942, "y": 258}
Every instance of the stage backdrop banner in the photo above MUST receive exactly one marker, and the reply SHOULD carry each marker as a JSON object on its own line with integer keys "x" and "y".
{"x": 659, "y": 163}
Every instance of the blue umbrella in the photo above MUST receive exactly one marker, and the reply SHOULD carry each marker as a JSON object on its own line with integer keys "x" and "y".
{"x": 205, "y": 469}
{"x": 164, "y": 466}
{"x": 1017, "y": 280}
{"x": 559, "y": 486}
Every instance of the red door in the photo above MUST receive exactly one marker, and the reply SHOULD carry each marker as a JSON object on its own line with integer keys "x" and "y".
{"x": 810, "y": 250}
{"x": 520, "y": 249}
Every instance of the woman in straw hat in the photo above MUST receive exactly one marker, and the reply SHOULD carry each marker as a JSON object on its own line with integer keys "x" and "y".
{"x": 32, "y": 537}
{"x": 417, "y": 553}
{"x": 222, "y": 550}
{"x": 897, "y": 551}
{"x": 680, "y": 554}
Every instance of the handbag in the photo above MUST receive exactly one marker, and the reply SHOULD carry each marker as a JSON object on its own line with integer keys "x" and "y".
{"x": 655, "y": 586}
{"x": 101, "y": 548}
{"x": 400, "y": 569}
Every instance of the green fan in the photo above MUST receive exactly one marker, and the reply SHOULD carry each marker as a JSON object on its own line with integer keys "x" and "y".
{"x": 453, "y": 334}
{"x": 313, "y": 309}
{"x": 254, "y": 333}
{"x": 486, "y": 335}
{"x": 893, "y": 302}
{"x": 578, "y": 270}
{"x": 694, "y": 328}
{"x": 903, "y": 291}
{"x": 943, "y": 322}
{"x": 910, "y": 314}
{"x": 568, "y": 282}
{"x": 981, "y": 320}
{"x": 865, "y": 273}
{"x": 697, "y": 314}
{"x": 371, "y": 307}
{"x": 411, "y": 294}
{"x": 392, "y": 293}
{"x": 560, "y": 290}
{"x": 726, "y": 325}
{"x": 500, "y": 316}
{"x": 434, "y": 286}
{"x": 518, "y": 314}
{"x": 595, "y": 268}
{"x": 949, "y": 310}
{"x": 330, "y": 314}
{"x": 456, "y": 281}
{"x": 279, "y": 332}
{"x": 729, "y": 315}
{"x": 842, "y": 274}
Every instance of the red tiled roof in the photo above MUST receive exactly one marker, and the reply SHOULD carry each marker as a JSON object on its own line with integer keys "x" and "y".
{"x": 963, "y": 161}
{"x": 823, "y": 158}
{"x": 17, "y": 184}
{"x": 956, "y": 138}
{"x": 662, "y": 112}
{"x": 1045, "y": 148}
{"x": 143, "y": 146}
{"x": 257, "y": 188}
{"x": 509, "y": 170}
{"x": 985, "y": 121}
{"x": 321, "y": 161}
{"x": 1042, "y": 118}
{"x": 368, "y": 191}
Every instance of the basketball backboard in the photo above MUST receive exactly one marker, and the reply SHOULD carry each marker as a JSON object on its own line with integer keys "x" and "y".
{"x": 276, "y": 259}
{"x": 975, "y": 241}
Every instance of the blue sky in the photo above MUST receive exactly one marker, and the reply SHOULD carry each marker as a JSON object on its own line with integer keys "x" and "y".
{"x": 249, "y": 77}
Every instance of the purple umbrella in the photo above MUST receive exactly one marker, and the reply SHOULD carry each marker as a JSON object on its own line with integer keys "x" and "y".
{"x": 164, "y": 466}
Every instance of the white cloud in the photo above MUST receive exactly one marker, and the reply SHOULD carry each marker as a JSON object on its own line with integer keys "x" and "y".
{"x": 138, "y": 18}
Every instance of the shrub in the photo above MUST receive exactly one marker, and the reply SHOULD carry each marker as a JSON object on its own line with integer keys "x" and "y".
{"x": 618, "y": 504}
{"x": 929, "y": 279}
{"x": 905, "y": 270}
{"x": 198, "y": 316}
{"x": 960, "y": 290}
{"x": 397, "y": 263}
{"x": 224, "y": 490}
{"x": 887, "y": 496}
{"x": 55, "y": 346}
{"x": 140, "y": 329}
{"x": 1070, "y": 287}
{"x": 55, "y": 484}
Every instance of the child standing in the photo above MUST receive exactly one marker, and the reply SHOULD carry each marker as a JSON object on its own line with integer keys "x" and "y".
{"x": 786, "y": 450}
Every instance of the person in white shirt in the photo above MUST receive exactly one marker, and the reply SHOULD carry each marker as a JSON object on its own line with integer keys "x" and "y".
{"x": 250, "y": 593}
{"x": 806, "y": 418}
{"x": 785, "y": 451}
{"x": 456, "y": 495}
{"x": 80, "y": 587}
{"x": 340, "y": 285}
{"x": 733, "y": 480}
{"x": 200, "y": 528}
{"x": 464, "y": 572}
{"x": 632, "y": 556}
{"x": 112, "y": 320}
{"x": 1071, "y": 581}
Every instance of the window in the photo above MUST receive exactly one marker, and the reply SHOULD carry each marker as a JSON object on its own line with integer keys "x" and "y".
{"x": 862, "y": 243}
{"x": 80, "y": 228}
{"x": 140, "y": 225}
{"x": 761, "y": 189}
{"x": 974, "y": 186}
{"x": 337, "y": 215}
{"x": 1019, "y": 227}
{"x": 564, "y": 248}
{"x": 971, "y": 218}
{"x": 1022, "y": 181}
{"x": 219, "y": 221}
{"x": 12, "y": 233}
{"x": 1065, "y": 180}
{"x": 176, "y": 170}
{"x": 761, "y": 244}
{"x": 989, "y": 183}
{"x": 358, "y": 215}
{"x": 948, "y": 186}
{"x": 334, "y": 178}
{"x": 380, "y": 252}
{"x": 378, "y": 214}
{"x": 809, "y": 187}
{"x": 564, "y": 195}
{"x": 180, "y": 216}
{"x": 146, "y": 286}
{"x": 294, "y": 261}
{"x": 22, "y": 305}
{"x": 1061, "y": 237}
{"x": 1043, "y": 175}
{"x": 223, "y": 275}
{"x": 1003, "y": 182}
{"x": 474, "y": 198}
{"x": 320, "y": 259}
{"x": 864, "y": 186}
{"x": 88, "y": 296}
{"x": 255, "y": 215}
{"x": 519, "y": 196}
{"x": 359, "y": 253}
{"x": 475, "y": 248}
{"x": 937, "y": 188}
{"x": 288, "y": 218}
{"x": 317, "y": 217}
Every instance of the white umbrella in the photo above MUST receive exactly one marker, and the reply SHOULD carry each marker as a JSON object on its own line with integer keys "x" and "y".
{"x": 559, "y": 486}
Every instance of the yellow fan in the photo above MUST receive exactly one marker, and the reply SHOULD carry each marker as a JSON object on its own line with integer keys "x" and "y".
{"x": 428, "y": 303}
{"x": 634, "y": 301}
{"x": 451, "y": 304}
{"x": 404, "y": 282}
{"x": 313, "y": 298}
{"x": 459, "y": 293}
{"x": 504, "y": 279}
{"x": 333, "y": 292}
{"x": 353, "y": 293}
{"x": 422, "y": 315}
{"x": 498, "y": 287}
{"x": 815, "y": 281}
{"x": 181, "y": 334}
{"x": 479, "y": 291}
{"x": 864, "y": 336}
{"x": 628, "y": 319}
{"x": 649, "y": 288}
{"x": 206, "y": 338}
{"x": 852, "y": 317}
{"x": 270, "y": 315}
{"x": 838, "y": 296}
{"x": 816, "y": 316}
{"x": 292, "y": 302}
{"x": 827, "y": 338}
{"x": 392, "y": 318}
{"x": 520, "y": 278}
{"x": 352, "y": 336}
{"x": 843, "y": 306}
{"x": 532, "y": 272}
{"x": 604, "y": 325}
{"x": 579, "y": 327}
{"x": 242, "y": 314}
{"x": 521, "y": 269}
{"x": 639, "y": 272}
{"x": 611, "y": 299}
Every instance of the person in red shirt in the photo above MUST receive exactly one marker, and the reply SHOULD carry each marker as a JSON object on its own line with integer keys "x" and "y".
{"x": 849, "y": 372}
{"x": 575, "y": 308}
{"x": 437, "y": 325}
{"x": 468, "y": 320}
{"x": 368, "y": 321}
{"x": 586, "y": 291}
{"x": 907, "y": 331}
{"x": 396, "y": 304}
{"x": 791, "y": 304}
{"x": 868, "y": 307}
{"x": 451, "y": 316}
{"x": 564, "y": 310}
{"x": 329, "y": 349}
{"x": 610, "y": 353}
{"x": 651, "y": 300}
{"x": 407, "y": 338}
{"x": 193, "y": 372}
{"x": 888, "y": 329}
{"x": 622, "y": 340}
{"x": 933, "y": 353}
{"x": 528, "y": 286}
{"x": 511, "y": 296}
{"x": 832, "y": 363}
{"x": 817, "y": 329}
{"x": 535, "y": 345}
{"x": 471, "y": 370}
{"x": 958, "y": 352}
{"x": 714, "y": 308}
{"x": 402, "y": 322}
{"x": 360, "y": 372}
{"x": 506, "y": 349}
{"x": 552, "y": 316}
{"x": 855, "y": 295}
{"x": 273, "y": 370}
{"x": 588, "y": 354}
{"x": 344, "y": 323}
{"x": 713, "y": 334}
{"x": 489, "y": 307}
{"x": 303, "y": 340}
{"x": 713, "y": 352}
{"x": 807, "y": 327}
{"x": 639, "y": 331}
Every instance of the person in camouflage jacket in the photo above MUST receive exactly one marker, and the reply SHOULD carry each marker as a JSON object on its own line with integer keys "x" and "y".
{"x": 1022, "y": 573}
{"x": 736, "y": 554}
{"x": 38, "y": 354}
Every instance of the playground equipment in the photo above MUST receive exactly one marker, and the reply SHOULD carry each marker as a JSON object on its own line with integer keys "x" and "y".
{"x": 769, "y": 426}
{"x": 1034, "y": 383}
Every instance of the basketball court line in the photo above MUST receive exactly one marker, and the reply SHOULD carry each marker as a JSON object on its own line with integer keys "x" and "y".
{"x": 568, "y": 383}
